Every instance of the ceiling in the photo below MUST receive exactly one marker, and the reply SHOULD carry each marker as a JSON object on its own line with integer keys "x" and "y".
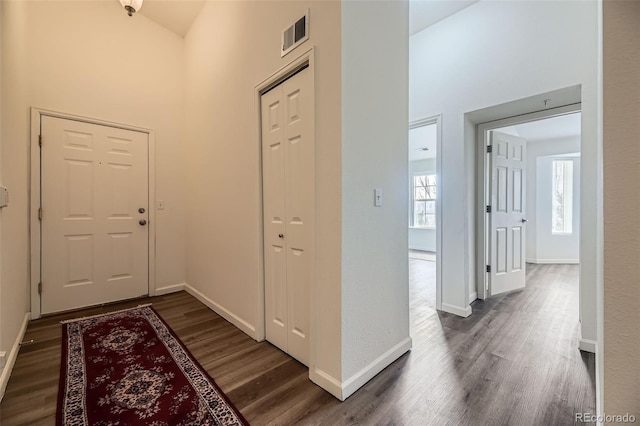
{"x": 424, "y": 13}
{"x": 561, "y": 127}
{"x": 178, "y": 15}
{"x": 423, "y": 137}
{"x": 175, "y": 15}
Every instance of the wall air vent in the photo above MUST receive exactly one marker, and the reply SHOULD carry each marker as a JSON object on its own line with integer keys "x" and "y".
{"x": 295, "y": 35}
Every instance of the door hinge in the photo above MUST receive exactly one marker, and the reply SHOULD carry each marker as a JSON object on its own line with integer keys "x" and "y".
{"x": 40, "y": 288}
{"x": 488, "y": 209}
{"x": 488, "y": 268}
{"x": 40, "y": 213}
{"x": 40, "y": 140}
{"x": 489, "y": 148}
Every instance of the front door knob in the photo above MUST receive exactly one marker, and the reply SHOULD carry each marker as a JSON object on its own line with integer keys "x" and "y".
{"x": 142, "y": 222}
{"x": 141, "y": 210}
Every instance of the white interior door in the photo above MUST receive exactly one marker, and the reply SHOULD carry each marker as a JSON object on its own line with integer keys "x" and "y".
{"x": 507, "y": 217}
{"x": 288, "y": 197}
{"x": 94, "y": 235}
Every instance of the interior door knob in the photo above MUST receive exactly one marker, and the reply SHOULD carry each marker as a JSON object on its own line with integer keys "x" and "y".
{"x": 141, "y": 210}
{"x": 280, "y": 235}
{"x": 142, "y": 222}
{"x": 525, "y": 220}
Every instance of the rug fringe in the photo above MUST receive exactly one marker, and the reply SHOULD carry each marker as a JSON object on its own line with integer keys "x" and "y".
{"x": 105, "y": 313}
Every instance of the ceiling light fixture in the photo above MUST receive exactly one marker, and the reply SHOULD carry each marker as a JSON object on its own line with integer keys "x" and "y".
{"x": 131, "y": 6}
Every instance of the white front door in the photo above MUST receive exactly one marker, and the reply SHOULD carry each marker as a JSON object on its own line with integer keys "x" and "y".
{"x": 288, "y": 198}
{"x": 507, "y": 217}
{"x": 94, "y": 214}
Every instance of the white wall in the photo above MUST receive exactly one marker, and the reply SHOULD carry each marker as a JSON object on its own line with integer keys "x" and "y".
{"x": 466, "y": 63}
{"x": 89, "y": 59}
{"x": 375, "y": 290}
{"x": 356, "y": 276}
{"x": 421, "y": 238}
{"x": 621, "y": 206}
{"x": 542, "y": 245}
{"x": 230, "y": 49}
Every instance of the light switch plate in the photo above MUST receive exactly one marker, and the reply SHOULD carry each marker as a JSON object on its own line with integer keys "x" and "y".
{"x": 377, "y": 194}
{"x": 160, "y": 204}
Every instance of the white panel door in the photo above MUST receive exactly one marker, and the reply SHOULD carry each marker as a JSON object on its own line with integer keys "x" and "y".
{"x": 507, "y": 218}
{"x": 288, "y": 194}
{"x": 94, "y": 237}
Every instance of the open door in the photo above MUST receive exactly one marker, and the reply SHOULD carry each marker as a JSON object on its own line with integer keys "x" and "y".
{"x": 507, "y": 216}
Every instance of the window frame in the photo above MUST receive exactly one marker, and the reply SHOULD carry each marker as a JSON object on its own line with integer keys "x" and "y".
{"x": 566, "y": 185}
{"x": 413, "y": 199}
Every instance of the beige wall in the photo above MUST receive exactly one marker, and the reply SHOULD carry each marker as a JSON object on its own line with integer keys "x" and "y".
{"x": 230, "y": 49}
{"x": 88, "y": 59}
{"x": 621, "y": 87}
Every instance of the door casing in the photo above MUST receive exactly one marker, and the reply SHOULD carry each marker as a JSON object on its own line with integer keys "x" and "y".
{"x": 483, "y": 183}
{"x": 34, "y": 199}
{"x": 307, "y": 58}
{"x": 437, "y": 121}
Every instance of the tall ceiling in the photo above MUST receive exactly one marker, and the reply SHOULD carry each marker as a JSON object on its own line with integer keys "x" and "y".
{"x": 178, "y": 15}
{"x": 175, "y": 15}
{"x": 424, "y": 13}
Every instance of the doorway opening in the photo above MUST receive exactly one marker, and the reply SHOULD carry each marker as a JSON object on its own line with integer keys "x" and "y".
{"x": 532, "y": 193}
{"x": 287, "y": 139}
{"x": 425, "y": 228}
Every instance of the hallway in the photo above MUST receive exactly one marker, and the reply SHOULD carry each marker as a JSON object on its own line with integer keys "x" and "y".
{"x": 513, "y": 361}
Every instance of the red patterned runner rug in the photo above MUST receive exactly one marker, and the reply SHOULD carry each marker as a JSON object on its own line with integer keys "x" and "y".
{"x": 129, "y": 368}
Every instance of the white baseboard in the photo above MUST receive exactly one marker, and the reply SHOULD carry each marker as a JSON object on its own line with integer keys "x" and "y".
{"x": 11, "y": 359}
{"x": 358, "y": 380}
{"x": 473, "y": 296}
{"x": 555, "y": 261}
{"x": 223, "y": 312}
{"x": 174, "y": 288}
{"x": 326, "y": 382}
{"x": 456, "y": 310}
{"x": 587, "y": 345}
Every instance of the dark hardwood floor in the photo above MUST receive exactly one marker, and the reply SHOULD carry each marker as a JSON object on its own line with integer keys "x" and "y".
{"x": 514, "y": 361}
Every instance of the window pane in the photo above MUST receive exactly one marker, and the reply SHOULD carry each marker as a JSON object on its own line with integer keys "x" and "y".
{"x": 430, "y": 221}
{"x": 424, "y": 192}
{"x": 562, "y": 197}
{"x": 419, "y": 214}
{"x": 430, "y": 207}
{"x": 431, "y": 193}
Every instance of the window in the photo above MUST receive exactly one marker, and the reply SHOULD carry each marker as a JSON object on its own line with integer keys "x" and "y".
{"x": 562, "y": 197}
{"x": 424, "y": 201}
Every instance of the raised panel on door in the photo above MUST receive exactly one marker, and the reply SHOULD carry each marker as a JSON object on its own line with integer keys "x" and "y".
{"x": 80, "y": 262}
{"x": 298, "y": 304}
{"x": 508, "y": 161}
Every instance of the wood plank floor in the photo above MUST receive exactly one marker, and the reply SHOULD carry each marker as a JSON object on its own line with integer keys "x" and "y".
{"x": 514, "y": 361}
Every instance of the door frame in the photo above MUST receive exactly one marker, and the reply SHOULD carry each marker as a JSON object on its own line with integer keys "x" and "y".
{"x": 276, "y": 78}
{"x": 483, "y": 185}
{"x": 35, "y": 230}
{"x": 437, "y": 121}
